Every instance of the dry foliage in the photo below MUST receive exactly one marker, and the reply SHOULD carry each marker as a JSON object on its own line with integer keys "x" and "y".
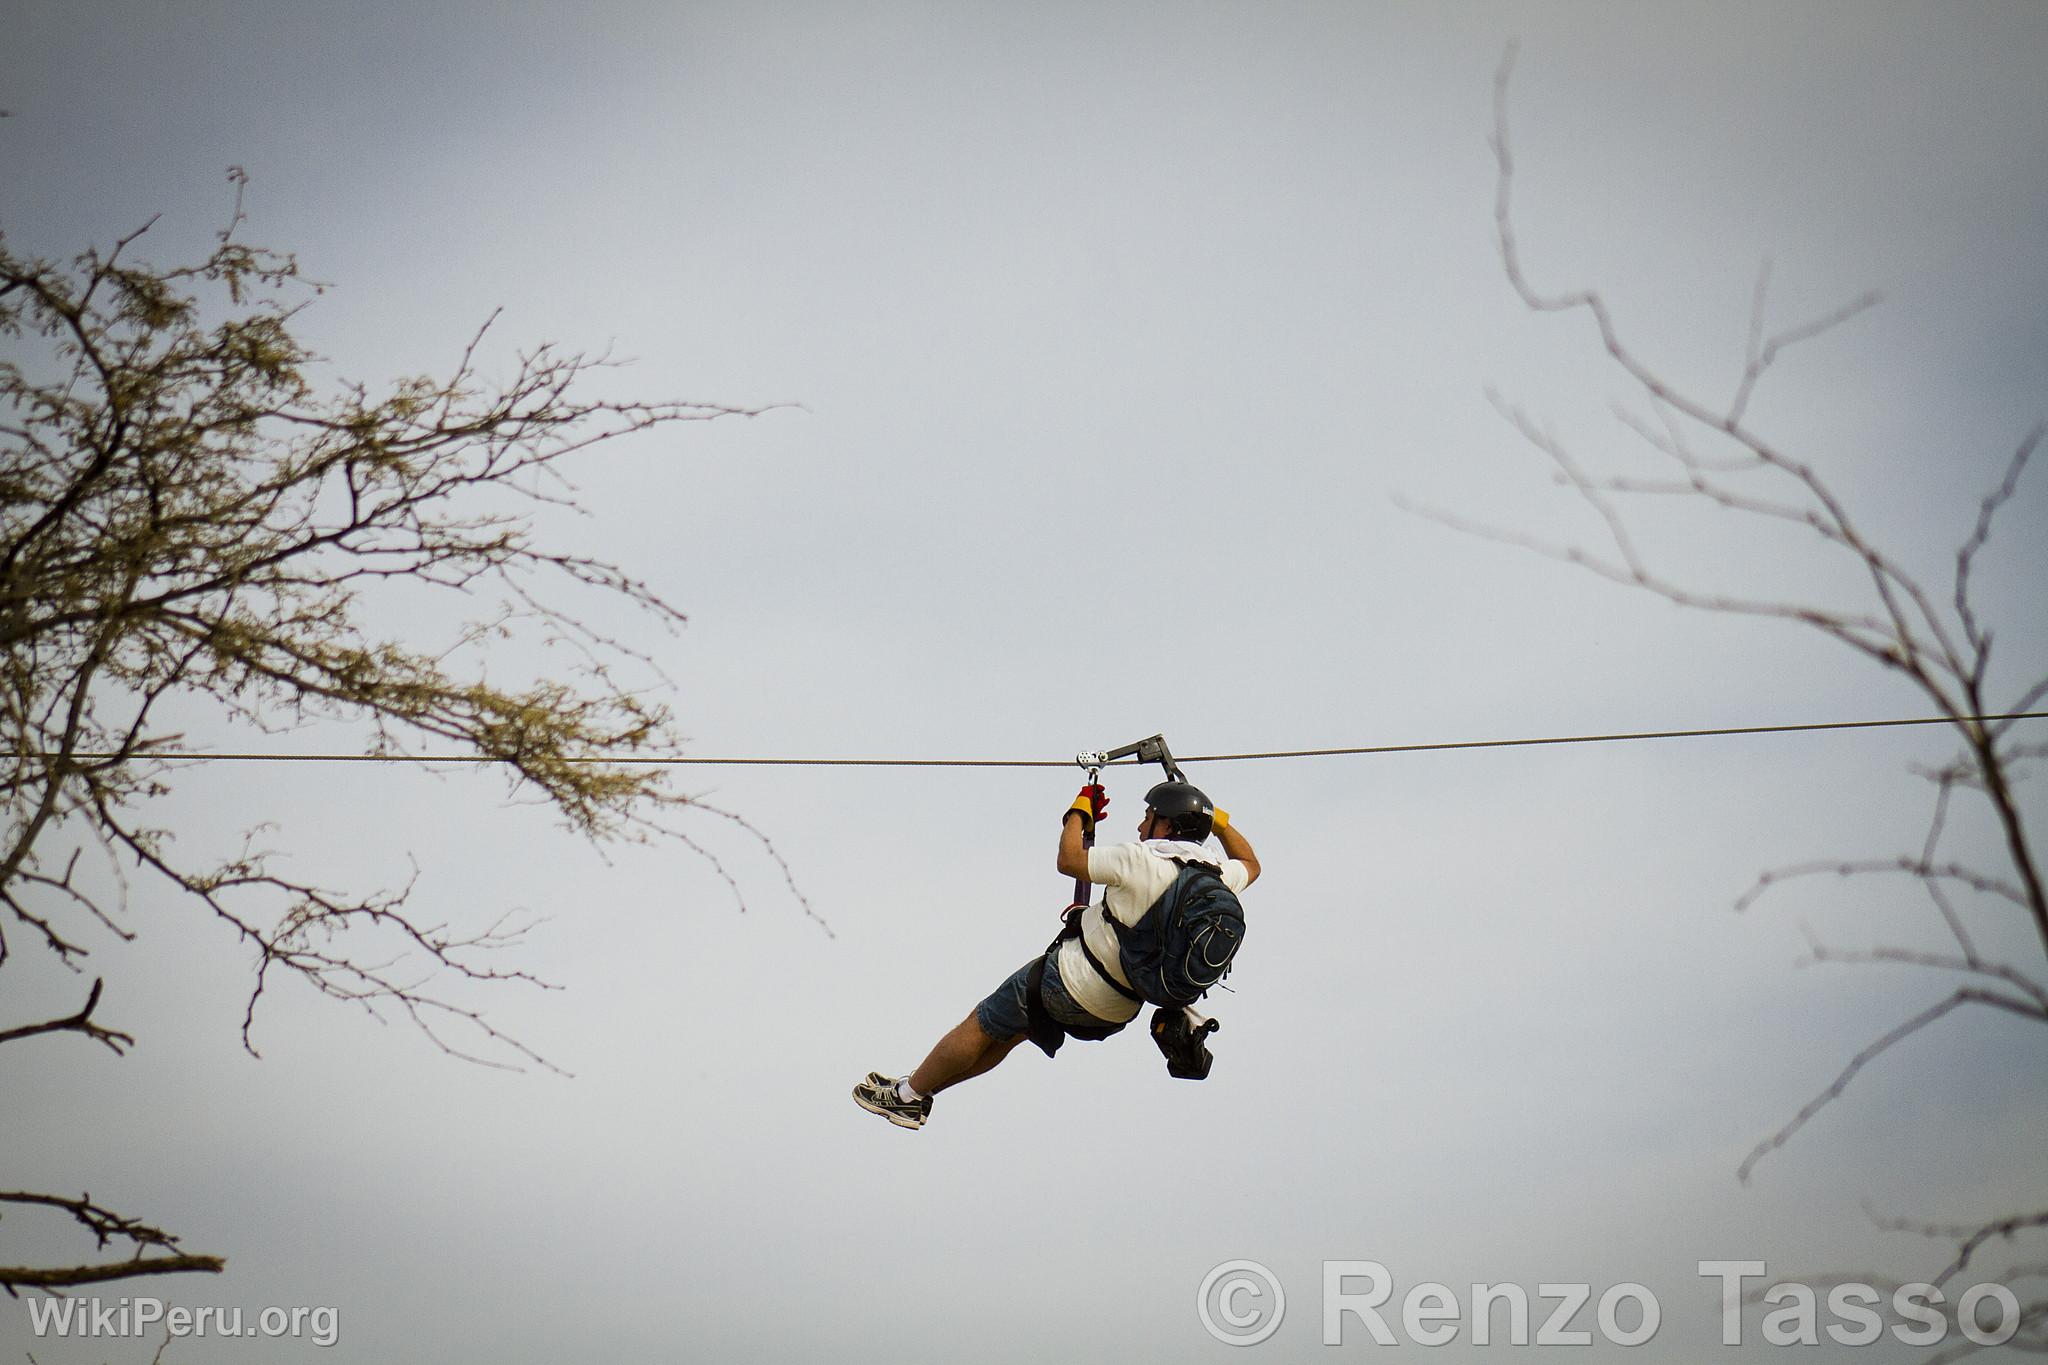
{"x": 186, "y": 514}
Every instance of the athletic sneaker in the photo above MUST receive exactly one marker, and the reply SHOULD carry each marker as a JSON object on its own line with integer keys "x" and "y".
{"x": 877, "y": 1094}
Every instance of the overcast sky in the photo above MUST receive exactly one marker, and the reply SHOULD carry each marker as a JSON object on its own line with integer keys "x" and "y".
{"x": 1117, "y": 331}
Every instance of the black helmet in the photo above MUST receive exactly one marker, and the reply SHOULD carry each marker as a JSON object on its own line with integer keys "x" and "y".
{"x": 1185, "y": 808}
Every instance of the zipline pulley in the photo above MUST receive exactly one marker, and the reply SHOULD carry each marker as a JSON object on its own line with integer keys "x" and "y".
{"x": 1151, "y": 749}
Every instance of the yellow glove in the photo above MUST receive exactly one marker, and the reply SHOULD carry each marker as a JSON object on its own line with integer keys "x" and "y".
{"x": 1220, "y": 820}
{"x": 1089, "y": 805}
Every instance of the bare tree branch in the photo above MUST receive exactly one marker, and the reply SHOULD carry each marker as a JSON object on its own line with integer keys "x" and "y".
{"x": 80, "y": 1022}
{"x": 1969, "y": 1238}
{"x": 14, "y": 1278}
{"x": 1927, "y": 872}
{"x": 1708, "y": 453}
{"x": 1964, "y": 995}
{"x": 1998, "y": 971}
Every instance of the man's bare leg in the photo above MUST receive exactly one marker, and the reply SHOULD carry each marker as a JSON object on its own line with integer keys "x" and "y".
{"x": 989, "y": 1057}
{"x": 965, "y": 1052}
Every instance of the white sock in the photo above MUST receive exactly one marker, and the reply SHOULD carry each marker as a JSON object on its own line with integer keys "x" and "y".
{"x": 905, "y": 1092}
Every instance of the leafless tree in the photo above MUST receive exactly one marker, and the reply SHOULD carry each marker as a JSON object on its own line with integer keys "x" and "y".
{"x": 1705, "y": 449}
{"x": 188, "y": 517}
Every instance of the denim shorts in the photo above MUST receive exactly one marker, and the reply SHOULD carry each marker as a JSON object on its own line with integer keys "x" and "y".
{"x": 1002, "y": 1015}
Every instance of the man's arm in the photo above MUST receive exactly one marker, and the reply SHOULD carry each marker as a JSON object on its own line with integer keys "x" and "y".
{"x": 1073, "y": 859}
{"x": 1235, "y": 845}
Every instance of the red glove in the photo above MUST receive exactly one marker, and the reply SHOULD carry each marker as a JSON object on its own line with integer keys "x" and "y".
{"x": 1090, "y": 805}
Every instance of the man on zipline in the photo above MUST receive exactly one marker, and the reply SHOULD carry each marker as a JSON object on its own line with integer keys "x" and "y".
{"x": 1113, "y": 956}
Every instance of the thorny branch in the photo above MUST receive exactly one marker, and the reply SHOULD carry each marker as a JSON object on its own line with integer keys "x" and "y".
{"x": 106, "y": 1226}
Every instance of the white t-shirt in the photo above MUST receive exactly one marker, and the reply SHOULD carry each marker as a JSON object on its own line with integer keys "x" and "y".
{"x": 1131, "y": 876}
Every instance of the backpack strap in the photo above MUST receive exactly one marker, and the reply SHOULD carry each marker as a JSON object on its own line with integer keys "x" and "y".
{"x": 1119, "y": 987}
{"x": 1072, "y": 930}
